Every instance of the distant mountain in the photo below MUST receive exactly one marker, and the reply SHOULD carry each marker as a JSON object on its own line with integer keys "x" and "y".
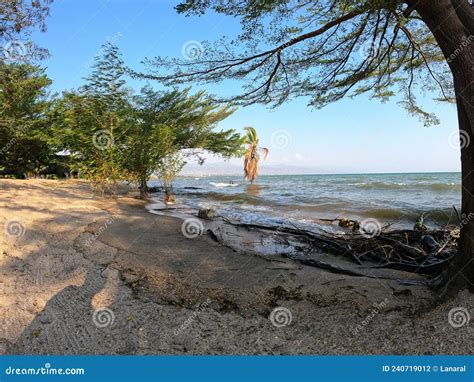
{"x": 227, "y": 168}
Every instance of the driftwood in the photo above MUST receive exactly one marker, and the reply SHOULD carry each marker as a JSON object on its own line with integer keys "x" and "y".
{"x": 419, "y": 251}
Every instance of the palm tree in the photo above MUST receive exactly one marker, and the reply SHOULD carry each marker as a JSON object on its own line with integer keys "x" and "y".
{"x": 252, "y": 155}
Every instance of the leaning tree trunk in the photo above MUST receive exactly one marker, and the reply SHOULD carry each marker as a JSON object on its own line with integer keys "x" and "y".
{"x": 452, "y": 24}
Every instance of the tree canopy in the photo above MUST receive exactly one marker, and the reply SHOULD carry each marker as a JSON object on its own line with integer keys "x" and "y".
{"x": 24, "y": 128}
{"x": 112, "y": 133}
{"x": 178, "y": 125}
{"x": 18, "y": 19}
{"x": 324, "y": 50}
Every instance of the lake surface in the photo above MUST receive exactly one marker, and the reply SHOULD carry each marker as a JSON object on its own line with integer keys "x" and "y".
{"x": 399, "y": 199}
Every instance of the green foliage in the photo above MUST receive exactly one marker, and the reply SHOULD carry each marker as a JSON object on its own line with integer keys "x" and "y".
{"x": 106, "y": 83}
{"x": 103, "y": 131}
{"x": 18, "y": 16}
{"x": 251, "y": 136}
{"x": 91, "y": 124}
{"x": 18, "y": 19}
{"x": 168, "y": 168}
{"x": 168, "y": 123}
{"x": 24, "y": 120}
{"x": 112, "y": 135}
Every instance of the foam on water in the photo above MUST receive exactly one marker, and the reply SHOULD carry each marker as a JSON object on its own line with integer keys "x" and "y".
{"x": 391, "y": 198}
{"x": 224, "y": 184}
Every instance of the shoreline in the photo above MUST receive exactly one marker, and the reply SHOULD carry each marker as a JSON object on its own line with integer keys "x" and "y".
{"x": 305, "y": 201}
{"x": 170, "y": 294}
{"x": 334, "y": 245}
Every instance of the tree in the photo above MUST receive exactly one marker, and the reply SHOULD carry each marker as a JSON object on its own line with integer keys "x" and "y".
{"x": 171, "y": 127}
{"x": 112, "y": 134}
{"x": 168, "y": 169}
{"x": 326, "y": 50}
{"x": 24, "y": 144}
{"x": 24, "y": 127}
{"x": 18, "y": 19}
{"x": 18, "y": 16}
{"x": 92, "y": 123}
{"x": 252, "y": 156}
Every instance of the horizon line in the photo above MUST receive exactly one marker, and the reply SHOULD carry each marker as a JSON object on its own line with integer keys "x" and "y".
{"x": 336, "y": 173}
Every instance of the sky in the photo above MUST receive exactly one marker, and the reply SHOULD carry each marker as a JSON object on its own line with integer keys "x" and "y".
{"x": 351, "y": 136}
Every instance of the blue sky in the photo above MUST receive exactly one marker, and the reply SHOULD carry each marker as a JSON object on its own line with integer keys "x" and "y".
{"x": 358, "y": 135}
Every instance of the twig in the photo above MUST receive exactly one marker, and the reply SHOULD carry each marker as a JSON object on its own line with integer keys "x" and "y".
{"x": 457, "y": 213}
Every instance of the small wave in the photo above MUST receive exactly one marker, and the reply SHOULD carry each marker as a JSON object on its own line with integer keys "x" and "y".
{"x": 410, "y": 215}
{"x": 402, "y": 185}
{"x": 382, "y": 186}
{"x": 237, "y": 198}
{"x": 224, "y": 184}
{"x": 442, "y": 186}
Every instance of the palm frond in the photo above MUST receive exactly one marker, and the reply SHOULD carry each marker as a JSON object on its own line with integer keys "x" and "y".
{"x": 251, "y": 136}
{"x": 252, "y": 156}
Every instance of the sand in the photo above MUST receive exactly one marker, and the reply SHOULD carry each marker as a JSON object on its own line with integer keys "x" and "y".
{"x": 84, "y": 274}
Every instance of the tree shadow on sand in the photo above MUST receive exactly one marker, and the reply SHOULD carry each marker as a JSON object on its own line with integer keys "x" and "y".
{"x": 78, "y": 320}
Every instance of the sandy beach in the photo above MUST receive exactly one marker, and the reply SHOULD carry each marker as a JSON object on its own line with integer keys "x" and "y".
{"x": 84, "y": 274}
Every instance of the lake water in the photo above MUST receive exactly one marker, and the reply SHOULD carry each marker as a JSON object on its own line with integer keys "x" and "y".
{"x": 302, "y": 199}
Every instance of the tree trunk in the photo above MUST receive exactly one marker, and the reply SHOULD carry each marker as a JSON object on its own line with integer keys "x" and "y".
{"x": 451, "y": 22}
{"x": 462, "y": 274}
{"x": 169, "y": 197}
{"x": 143, "y": 187}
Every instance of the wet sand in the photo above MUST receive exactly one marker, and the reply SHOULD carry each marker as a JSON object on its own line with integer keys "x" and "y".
{"x": 83, "y": 274}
